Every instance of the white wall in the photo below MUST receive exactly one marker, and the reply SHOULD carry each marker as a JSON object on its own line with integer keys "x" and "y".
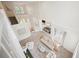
{"x": 34, "y": 15}
{"x": 65, "y": 15}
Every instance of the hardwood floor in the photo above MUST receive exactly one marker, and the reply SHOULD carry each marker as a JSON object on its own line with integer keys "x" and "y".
{"x": 63, "y": 53}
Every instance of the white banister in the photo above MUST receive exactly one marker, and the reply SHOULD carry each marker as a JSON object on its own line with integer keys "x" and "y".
{"x": 8, "y": 41}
